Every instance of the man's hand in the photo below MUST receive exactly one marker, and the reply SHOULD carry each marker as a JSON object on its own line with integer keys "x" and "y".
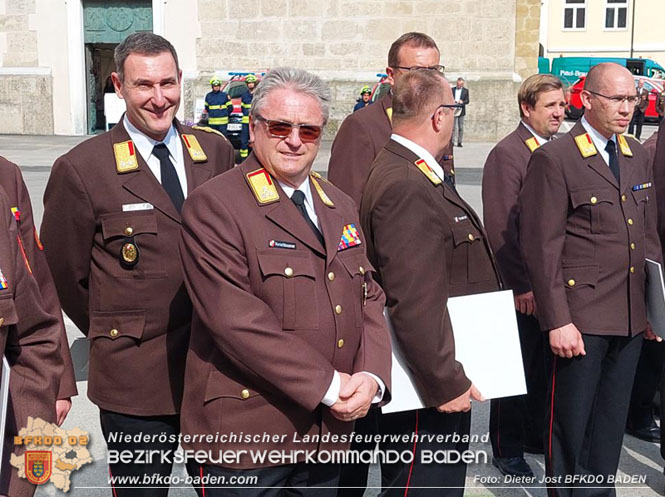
{"x": 525, "y": 303}
{"x": 355, "y": 396}
{"x": 567, "y": 341}
{"x": 461, "y": 403}
{"x": 62, "y": 407}
{"x": 650, "y": 335}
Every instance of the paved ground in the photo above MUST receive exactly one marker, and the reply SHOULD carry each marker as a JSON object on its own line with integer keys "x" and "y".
{"x": 35, "y": 155}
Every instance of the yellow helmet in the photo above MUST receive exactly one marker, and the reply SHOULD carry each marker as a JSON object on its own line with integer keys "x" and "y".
{"x": 365, "y": 89}
{"x": 250, "y": 78}
{"x": 216, "y": 82}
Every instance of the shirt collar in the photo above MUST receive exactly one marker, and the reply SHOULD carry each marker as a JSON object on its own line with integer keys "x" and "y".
{"x": 420, "y": 152}
{"x": 541, "y": 139}
{"x": 304, "y": 187}
{"x": 598, "y": 140}
{"x": 144, "y": 144}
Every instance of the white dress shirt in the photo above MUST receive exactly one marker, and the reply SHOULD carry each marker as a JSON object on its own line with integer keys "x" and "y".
{"x": 599, "y": 140}
{"x": 332, "y": 394}
{"x": 458, "y": 94}
{"x": 144, "y": 145}
{"x": 540, "y": 139}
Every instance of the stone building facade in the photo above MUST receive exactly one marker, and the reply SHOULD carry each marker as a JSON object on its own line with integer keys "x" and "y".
{"x": 54, "y": 54}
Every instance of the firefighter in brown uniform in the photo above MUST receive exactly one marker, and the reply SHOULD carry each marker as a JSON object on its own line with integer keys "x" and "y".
{"x": 30, "y": 340}
{"x": 407, "y": 208}
{"x": 110, "y": 230}
{"x": 587, "y": 223}
{"x": 516, "y": 423}
{"x": 364, "y": 133}
{"x": 288, "y": 335}
{"x": 11, "y": 181}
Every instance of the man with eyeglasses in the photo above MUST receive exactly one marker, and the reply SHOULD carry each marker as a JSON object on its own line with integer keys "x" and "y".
{"x": 407, "y": 204}
{"x": 587, "y": 224}
{"x": 362, "y": 134}
{"x": 288, "y": 337}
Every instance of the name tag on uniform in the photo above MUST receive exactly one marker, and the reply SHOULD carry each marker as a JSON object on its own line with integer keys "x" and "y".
{"x": 460, "y": 218}
{"x": 137, "y": 207}
{"x": 279, "y": 244}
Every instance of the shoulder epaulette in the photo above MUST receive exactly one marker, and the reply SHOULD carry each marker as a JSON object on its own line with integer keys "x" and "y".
{"x": 585, "y": 145}
{"x": 623, "y": 145}
{"x": 263, "y": 186}
{"x": 125, "y": 157}
{"x": 532, "y": 143}
{"x": 194, "y": 148}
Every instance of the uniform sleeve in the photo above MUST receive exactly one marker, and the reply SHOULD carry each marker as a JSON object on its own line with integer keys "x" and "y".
{"x": 542, "y": 236}
{"x": 42, "y": 274}
{"x": 466, "y": 97}
{"x": 351, "y": 156}
{"x": 417, "y": 295}
{"x": 653, "y": 241}
{"x": 502, "y": 182}
{"x": 68, "y": 231}
{"x": 242, "y": 326}
{"x": 32, "y": 350}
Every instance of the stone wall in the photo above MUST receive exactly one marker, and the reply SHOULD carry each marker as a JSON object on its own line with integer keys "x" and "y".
{"x": 21, "y": 43}
{"x": 26, "y": 103}
{"x": 527, "y": 35}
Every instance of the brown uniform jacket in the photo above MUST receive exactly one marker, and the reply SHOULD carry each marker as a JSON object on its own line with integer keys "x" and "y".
{"x": 659, "y": 178}
{"x": 650, "y": 146}
{"x": 276, "y": 313}
{"x": 427, "y": 244}
{"x": 30, "y": 339}
{"x": 137, "y": 319}
{"x": 503, "y": 176}
{"x": 358, "y": 141}
{"x": 11, "y": 181}
{"x": 584, "y": 237}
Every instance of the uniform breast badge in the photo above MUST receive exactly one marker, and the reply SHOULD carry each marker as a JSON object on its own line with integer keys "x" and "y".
{"x": 3, "y": 281}
{"x": 129, "y": 253}
{"x": 16, "y": 213}
{"x": 350, "y": 237}
{"x": 194, "y": 148}
{"x": 125, "y": 157}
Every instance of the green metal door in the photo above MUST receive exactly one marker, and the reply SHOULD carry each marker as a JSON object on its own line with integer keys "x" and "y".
{"x": 105, "y": 24}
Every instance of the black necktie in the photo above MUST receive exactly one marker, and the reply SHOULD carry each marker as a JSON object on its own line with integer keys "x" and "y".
{"x": 298, "y": 198}
{"x": 170, "y": 180}
{"x": 611, "y": 149}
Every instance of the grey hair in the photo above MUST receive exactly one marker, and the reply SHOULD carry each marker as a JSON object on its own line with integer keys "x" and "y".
{"x": 293, "y": 79}
{"x": 143, "y": 43}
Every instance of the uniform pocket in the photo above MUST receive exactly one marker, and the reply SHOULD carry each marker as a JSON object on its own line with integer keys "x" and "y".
{"x": 117, "y": 325}
{"x": 8, "y": 311}
{"x": 293, "y": 275}
{"x": 594, "y": 210}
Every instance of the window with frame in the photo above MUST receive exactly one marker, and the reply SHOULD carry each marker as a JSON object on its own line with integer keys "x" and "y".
{"x": 574, "y": 14}
{"x": 616, "y": 14}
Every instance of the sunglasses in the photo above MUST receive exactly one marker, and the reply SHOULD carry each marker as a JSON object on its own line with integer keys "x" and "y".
{"x": 281, "y": 129}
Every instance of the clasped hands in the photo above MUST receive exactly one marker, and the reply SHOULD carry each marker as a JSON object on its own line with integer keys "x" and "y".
{"x": 355, "y": 396}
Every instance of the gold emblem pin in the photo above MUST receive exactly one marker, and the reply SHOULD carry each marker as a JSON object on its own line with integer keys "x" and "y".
{"x": 129, "y": 253}
{"x": 585, "y": 145}
{"x": 194, "y": 148}
{"x": 125, "y": 157}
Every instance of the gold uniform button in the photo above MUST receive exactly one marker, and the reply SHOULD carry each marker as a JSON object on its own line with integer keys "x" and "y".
{"x": 245, "y": 394}
{"x": 361, "y": 269}
{"x": 331, "y": 276}
{"x": 632, "y": 246}
{"x": 623, "y": 198}
{"x": 632, "y": 269}
{"x": 594, "y": 200}
{"x": 338, "y": 309}
{"x": 288, "y": 272}
{"x": 129, "y": 231}
{"x": 471, "y": 237}
{"x": 571, "y": 282}
{"x": 630, "y": 221}
{"x": 340, "y": 343}
{"x": 113, "y": 333}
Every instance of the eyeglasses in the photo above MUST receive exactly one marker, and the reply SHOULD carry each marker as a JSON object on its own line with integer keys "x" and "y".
{"x": 446, "y": 106}
{"x": 438, "y": 68}
{"x": 281, "y": 129}
{"x": 617, "y": 99}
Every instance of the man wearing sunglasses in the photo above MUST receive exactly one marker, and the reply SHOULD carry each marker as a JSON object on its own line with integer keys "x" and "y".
{"x": 288, "y": 336}
{"x": 364, "y": 133}
{"x": 587, "y": 224}
{"x": 407, "y": 204}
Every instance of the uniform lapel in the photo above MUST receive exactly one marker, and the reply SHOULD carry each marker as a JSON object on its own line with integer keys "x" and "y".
{"x": 142, "y": 183}
{"x": 331, "y": 222}
{"x": 595, "y": 162}
{"x": 626, "y": 169}
{"x": 283, "y": 211}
